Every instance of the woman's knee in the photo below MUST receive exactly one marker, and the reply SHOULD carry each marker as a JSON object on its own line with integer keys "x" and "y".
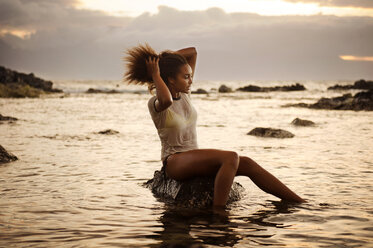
{"x": 232, "y": 158}
{"x": 248, "y": 165}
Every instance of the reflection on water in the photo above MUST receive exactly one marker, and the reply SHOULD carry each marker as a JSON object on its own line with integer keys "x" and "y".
{"x": 75, "y": 187}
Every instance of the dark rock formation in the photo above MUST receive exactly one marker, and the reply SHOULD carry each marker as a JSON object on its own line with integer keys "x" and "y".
{"x": 6, "y": 157}
{"x": 195, "y": 192}
{"x": 108, "y": 131}
{"x": 7, "y": 118}
{"x": 224, "y": 89}
{"x": 254, "y": 88}
{"x": 199, "y": 91}
{"x": 92, "y": 90}
{"x": 362, "y": 100}
{"x": 300, "y": 122}
{"x": 270, "y": 132}
{"x": 8, "y": 76}
{"x": 361, "y": 84}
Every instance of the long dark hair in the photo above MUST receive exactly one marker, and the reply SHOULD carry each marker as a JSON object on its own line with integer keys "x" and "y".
{"x": 169, "y": 63}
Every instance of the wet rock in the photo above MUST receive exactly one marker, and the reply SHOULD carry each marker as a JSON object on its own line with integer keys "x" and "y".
{"x": 301, "y": 122}
{"x": 270, "y": 132}
{"x": 6, "y": 157}
{"x": 362, "y": 100}
{"x": 92, "y": 90}
{"x": 195, "y": 192}
{"x": 360, "y": 84}
{"x": 10, "y": 78}
{"x": 199, "y": 91}
{"x": 108, "y": 131}
{"x": 254, "y": 88}
{"x": 224, "y": 89}
{"x": 250, "y": 88}
{"x": 7, "y": 118}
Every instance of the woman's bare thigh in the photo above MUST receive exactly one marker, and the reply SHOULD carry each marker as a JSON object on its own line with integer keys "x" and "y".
{"x": 197, "y": 162}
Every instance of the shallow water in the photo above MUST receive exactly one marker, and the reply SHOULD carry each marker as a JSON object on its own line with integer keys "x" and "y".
{"x": 73, "y": 187}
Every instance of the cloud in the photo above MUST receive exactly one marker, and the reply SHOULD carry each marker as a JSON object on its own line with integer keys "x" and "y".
{"x": 47, "y": 15}
{"x": 83, "y": 44}
{"x": 338, "y": 3}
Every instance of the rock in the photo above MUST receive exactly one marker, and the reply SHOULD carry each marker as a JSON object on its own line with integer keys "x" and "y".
{"x": 108, "y": 131}
{"x": 8, "y": 76}
{"x": 224, "y": 89}
{"x": 199, "y": 91}
{"x": 7, "y": 118}
{"x": 362, "y": 100}
{"x": 360, "y": 84}
{"x": 250, "y": 88}
{"x": 270, "y": 132}
{"x": 6, "y": 157}
{"x": 195, "y": 192}
{"x": 254, "y": 88}
{"x": 300, "y": 122}
{"x": 92, "y": 90}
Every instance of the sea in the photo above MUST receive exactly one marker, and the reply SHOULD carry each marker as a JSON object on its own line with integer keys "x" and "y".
{"x": 74, "y": 187}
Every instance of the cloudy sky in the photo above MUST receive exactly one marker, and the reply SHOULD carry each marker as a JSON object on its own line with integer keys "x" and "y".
{"x": 235, "y": 40}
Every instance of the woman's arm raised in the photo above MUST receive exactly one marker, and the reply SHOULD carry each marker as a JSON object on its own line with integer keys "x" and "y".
{"x": 164, "y": 96}
{"x": 190, "y": 54}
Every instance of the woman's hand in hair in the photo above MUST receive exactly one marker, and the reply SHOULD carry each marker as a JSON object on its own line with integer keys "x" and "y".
{"x": 152, "y": 66}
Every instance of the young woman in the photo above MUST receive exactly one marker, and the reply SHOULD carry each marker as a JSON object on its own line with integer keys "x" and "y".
{"x": 171, "y": 74}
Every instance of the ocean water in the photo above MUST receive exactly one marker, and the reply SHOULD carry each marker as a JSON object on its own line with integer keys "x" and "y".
{"x": 73, "y": 187}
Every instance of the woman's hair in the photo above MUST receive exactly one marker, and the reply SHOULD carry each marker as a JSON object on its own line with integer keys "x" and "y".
{"x": 169, "y": 63}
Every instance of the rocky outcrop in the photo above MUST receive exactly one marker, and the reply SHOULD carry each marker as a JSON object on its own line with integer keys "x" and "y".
{"x": 361, "y": 84}
{"x": 92, "y": 90}
{"x": 199, "y": 91}
{"x": 254, "y": 88}
{"x": 300, "y": 122}
{"x": 224, "y": 89}
{"x": 195, "y": 192}
{"x": 362, "y": 100}
{"x": 11, "y": 78}
{"x": 108, "y": 131}
{"x": 7, "y": 118}
{"x": 270, "y": 132}
{"x": 6, "y": 157}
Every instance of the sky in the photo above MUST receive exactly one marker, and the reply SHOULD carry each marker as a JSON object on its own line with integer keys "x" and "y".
{"x": 235, "y": 40}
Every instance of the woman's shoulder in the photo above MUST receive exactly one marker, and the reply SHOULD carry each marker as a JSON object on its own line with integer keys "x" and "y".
{"x": 151, "y": 98}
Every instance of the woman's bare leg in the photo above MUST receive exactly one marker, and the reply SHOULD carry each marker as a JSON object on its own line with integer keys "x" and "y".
{"x": 205, "y": 162}
{"x": 265, "y": 180}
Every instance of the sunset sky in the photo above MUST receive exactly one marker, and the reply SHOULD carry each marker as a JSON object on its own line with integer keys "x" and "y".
{"x": 235, "y": 40}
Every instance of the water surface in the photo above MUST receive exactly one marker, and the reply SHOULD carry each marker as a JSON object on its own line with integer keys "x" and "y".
{"x": 73, "y": 187}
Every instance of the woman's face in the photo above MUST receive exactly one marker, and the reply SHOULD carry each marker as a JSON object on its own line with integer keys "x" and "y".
{"x": 183, "y": 80}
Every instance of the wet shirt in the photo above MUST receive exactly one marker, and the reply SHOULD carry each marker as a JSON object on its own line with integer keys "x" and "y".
{"x": 176, "y": 125}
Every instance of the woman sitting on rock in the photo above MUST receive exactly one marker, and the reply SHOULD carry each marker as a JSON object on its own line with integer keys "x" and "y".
{"x": 174, "y": 116}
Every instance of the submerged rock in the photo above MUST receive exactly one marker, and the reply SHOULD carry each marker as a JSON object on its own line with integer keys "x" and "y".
{"x": 224, "y": 89}
{"x": 300, "y": 122}
{"x": 7, "y": 118}
{"x": 199, "y": 91}
{"x": 270, "y": 132}
{"x": 361, "y": 84}
{"x": 6, "y": 157}
{"x": 254, "y": 88}
{"x": 362, "y": 100}
{"x": 108, "y": 131}
{"x": 195, "y": 192}
{"x": 92, "y": 90}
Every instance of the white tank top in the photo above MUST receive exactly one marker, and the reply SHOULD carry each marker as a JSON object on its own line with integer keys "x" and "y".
{"x": 176, "y": 125}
